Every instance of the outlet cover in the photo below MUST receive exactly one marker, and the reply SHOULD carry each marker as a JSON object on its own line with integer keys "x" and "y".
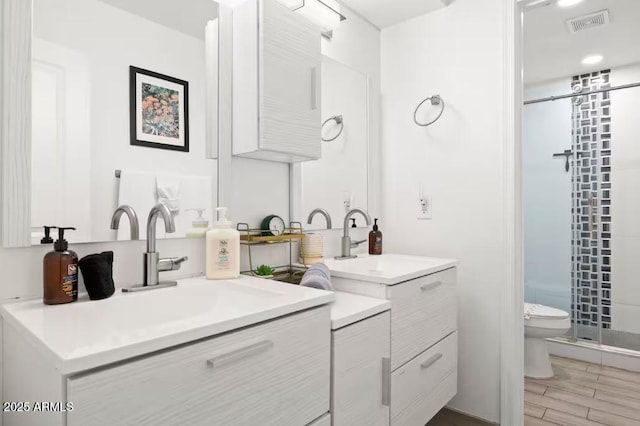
{"x": 425, "y": 208}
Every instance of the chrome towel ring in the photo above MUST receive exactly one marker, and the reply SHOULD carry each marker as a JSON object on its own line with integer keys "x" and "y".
{"x": 339, "y": 121}
{"x": 435, "y": 100}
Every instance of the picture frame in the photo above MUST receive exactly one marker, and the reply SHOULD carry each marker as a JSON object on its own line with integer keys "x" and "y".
{"x": 158, "y": 110}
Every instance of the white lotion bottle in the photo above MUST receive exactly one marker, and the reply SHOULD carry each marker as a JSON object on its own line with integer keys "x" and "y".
{"x": 223, "y": 249}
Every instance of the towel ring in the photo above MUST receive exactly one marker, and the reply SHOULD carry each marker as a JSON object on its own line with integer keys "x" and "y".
{"x": 435, "y": 100}
{"x": 339, "y": 121}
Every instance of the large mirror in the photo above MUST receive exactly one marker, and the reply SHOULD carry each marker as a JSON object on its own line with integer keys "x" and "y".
{"x": 338, "y": 181}
{"x": 124, "y": 112}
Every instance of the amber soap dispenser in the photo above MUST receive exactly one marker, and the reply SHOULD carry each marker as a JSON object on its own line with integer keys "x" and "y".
{"x": 60, "y": 272}
{"x": 375, "y": 239}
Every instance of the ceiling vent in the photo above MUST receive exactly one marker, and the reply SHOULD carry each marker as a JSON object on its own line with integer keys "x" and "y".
{"x": 589, "y": 21}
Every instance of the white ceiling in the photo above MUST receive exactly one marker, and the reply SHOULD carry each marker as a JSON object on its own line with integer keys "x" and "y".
{"x": 551, "y": 51}
{"x": 187, "y": 16}
{"x": 384, "y": 13}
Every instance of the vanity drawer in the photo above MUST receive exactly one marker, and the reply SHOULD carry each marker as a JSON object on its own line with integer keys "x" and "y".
{"x": 423, "y": 311}
{"x": 275, "y": 373}
{"x": 420, "y": 388}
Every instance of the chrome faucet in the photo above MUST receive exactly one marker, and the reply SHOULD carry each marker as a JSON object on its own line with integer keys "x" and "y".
{"x": 324, "y": 213}
{"x": 153, "y": 264}
{"x": 346, "y": 243}
{"x": 133, "y": 220}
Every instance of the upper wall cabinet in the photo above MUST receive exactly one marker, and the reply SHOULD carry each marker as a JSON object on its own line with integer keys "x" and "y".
{"x": 276, "y": 83}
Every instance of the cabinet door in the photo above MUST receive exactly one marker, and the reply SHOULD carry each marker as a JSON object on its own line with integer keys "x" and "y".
{"x": 289, "y": 82}
{"x": 276, "y": 373}
{"x": 361, "y": 372}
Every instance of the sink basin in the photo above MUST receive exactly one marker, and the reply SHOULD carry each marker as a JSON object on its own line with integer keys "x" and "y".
{"x": 87, "y": 333}
{"x": 387, "y": 268}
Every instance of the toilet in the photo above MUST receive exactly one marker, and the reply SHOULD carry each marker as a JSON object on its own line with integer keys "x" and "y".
{"x": 540, "y": 323}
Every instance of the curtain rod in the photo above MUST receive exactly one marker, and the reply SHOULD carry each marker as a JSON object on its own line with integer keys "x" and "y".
{"x": 575, "y": 95}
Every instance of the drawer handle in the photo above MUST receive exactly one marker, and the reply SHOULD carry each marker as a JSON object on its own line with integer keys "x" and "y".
{"x": 386, "y": 382}
{"x": 239, "y": 354}
{"x": 314, "y": 88}
{"x": 431, "y": 286}
{"x": 428, "y": 363}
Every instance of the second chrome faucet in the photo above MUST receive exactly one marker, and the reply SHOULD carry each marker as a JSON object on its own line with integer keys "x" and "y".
{"x": 346, "y": 243}
{"x": 152, "y": 263}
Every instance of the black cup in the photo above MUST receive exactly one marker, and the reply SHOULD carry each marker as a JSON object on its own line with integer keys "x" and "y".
{"x": 97, "y": 271}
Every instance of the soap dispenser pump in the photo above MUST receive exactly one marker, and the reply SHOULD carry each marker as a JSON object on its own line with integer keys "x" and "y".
{"x": 47, "y": 235}
{"x": 60, "y": 272}
{"x": 375, "y": 240}
{"x": 199, "y": 226}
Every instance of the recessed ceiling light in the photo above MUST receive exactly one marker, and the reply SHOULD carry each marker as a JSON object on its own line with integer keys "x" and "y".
{"x": 568, "y": 3}
{"x": 592, "y": 59}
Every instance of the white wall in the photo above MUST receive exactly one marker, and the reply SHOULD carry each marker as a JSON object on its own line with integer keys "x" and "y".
{"x": 625, "y": 200}
{"x": 457, "y": 52}
{"x": 547, "y": 196}
{"x": 342, "y": 171}
{"x": 109, "y": 40}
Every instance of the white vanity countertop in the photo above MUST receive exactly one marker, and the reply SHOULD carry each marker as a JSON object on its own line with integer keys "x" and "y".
{"x": 387, "y": 269}
{"x": 349, "y": 308}
{"x": 88, "y": 334}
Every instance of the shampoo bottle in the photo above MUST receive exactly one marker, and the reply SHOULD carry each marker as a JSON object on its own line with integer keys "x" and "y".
{"x": 375, "y": 240}
{"x": 223, "y": 249}
{"x": 60, "y": 272}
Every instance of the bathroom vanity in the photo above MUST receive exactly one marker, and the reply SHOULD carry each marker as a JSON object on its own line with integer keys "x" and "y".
{"x": 239, "y": 352}
{"x": 242, "y": 352}
{"x": 421, "y": 376}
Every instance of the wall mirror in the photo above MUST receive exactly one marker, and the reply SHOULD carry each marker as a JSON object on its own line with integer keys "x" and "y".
{"x": 124, "y": 110}
{"x": 338, "y": 181}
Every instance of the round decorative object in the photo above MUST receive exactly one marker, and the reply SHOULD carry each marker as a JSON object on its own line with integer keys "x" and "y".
{"x": 272, "y": 225}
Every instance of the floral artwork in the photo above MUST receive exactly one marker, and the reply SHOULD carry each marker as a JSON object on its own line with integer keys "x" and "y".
{"x": 159, "y": 110}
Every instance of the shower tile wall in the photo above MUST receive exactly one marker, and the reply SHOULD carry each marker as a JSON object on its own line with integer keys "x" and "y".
{"x": 591, "y": 134}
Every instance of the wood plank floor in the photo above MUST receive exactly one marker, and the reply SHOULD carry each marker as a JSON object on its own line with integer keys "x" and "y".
{"x": 583, "y": 394}
{"x": 451, "y": 418}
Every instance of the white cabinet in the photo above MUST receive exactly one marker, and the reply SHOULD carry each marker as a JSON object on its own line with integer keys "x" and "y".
{"x": 422, "y": 376}
{"x": 274, "y": 373}
{"x": 276, "y": 83}
{"x": 360, "y": 364}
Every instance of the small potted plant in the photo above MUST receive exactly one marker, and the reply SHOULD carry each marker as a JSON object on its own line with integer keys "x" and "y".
{"x": 265, "y": 271}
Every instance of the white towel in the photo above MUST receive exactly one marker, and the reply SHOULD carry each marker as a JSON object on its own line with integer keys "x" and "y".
{"x": 138, "y": 190}
{"x": 196, "y": 192}
{"x": 168, "y": 190}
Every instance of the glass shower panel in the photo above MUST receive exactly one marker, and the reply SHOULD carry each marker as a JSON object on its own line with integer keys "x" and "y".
{"x": 547, "y": 178}
{"x": 621, "y": 219}
{"x": 590, "y": 199}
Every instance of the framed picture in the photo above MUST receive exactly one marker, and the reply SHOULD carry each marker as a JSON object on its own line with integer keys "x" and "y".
{"x": 159, "y": 110}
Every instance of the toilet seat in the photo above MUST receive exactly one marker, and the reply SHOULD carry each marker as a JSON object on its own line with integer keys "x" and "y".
{"x": 540, "y": 316}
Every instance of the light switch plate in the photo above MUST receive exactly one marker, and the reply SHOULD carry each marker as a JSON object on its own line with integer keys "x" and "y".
{"x": 425, "y": 208}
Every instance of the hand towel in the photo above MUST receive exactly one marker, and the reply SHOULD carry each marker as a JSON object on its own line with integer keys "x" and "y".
{"x": 168, "y": 190}
{"x": 138, "y": 190}
{"x": 196, "y": 192}
{"x": 318, "y": 276}
{"x": 97, "y": 272}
